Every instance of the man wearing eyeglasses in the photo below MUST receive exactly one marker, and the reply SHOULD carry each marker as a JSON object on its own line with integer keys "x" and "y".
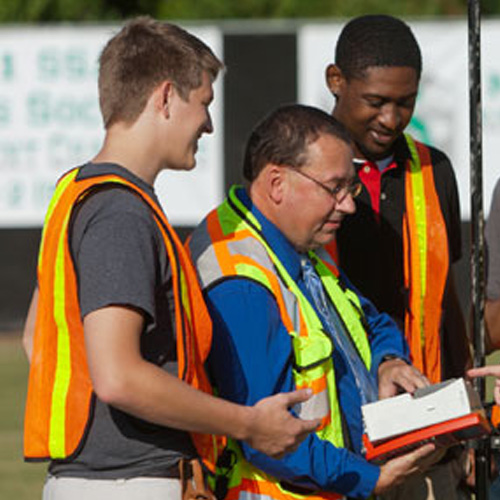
{"x": 285, "y": 317}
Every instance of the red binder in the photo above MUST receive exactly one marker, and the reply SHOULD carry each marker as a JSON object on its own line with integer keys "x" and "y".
{"x": 449, "y": 433}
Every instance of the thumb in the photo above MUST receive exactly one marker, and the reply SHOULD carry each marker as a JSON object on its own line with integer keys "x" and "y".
{"x": 422, "y": 452}
{"x": 298, "y": 396}
{"x": 493, "y": 370}
{"x": 477, "y": 372}
{"x": 387, "y": 390}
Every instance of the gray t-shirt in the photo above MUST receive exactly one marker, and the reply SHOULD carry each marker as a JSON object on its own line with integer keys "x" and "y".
{"x": 120, "y": 259}
{"x": 493, "y": 247}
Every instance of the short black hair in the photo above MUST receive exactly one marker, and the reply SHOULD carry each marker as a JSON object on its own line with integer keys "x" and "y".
{"x": 283, "y": 136}
{"x": 376, "y": 40}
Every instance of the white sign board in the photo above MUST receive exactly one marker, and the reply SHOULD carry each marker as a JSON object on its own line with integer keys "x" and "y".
{"x": 50, "y": 122}
{"x": 441, "y": 115}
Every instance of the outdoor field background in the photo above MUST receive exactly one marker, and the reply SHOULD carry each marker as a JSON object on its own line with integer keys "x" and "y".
{"x": 19, "y": 480}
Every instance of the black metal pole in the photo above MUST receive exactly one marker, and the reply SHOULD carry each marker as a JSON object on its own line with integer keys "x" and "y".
{"x": 477, "y": 225}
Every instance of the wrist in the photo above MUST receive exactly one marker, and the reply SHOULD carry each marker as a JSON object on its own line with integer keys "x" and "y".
{"x": 390, "y": 357}
{"x": 392, "y": 360}
{"x": 381, "y": 486}
{"x": 245, "y": 423}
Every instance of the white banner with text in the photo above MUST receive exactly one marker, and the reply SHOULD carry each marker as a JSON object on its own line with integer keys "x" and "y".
{"x": 50, "y": 122}
{"x": 441, "y": 115}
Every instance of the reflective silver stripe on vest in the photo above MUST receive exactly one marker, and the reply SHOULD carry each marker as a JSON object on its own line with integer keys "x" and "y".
{"x": 250, "y": 247}
{"x": 315, "y": 407}
{"x": 245, "y": 495}
{"x": 203, "y": 256}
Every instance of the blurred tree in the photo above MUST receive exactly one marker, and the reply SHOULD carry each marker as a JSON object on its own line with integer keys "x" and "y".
{"x": 73, "y": 10}
{"x": 16, "y": 11}
{"x": 223, "y": 9}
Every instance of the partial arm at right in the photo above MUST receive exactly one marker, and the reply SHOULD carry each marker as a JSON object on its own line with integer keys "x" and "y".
{"x": 492, "y": 320}
{"x": 29, "y": 325}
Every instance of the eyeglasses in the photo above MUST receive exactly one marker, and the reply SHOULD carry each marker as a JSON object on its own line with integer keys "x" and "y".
{"x": 339, "y": 192}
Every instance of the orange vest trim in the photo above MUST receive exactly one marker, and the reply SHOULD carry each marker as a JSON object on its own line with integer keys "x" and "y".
{"x": 270, "y": 490}
{"x": 333, "y": 250}
{"x": 227, "y": 262}
{"x": 495, "y": 416}
{"x": 425, "y": 269}
{"x": 59, "y": 388}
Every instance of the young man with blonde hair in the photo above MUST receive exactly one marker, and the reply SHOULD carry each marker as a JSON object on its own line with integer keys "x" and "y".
{"x": 117, "y": 331}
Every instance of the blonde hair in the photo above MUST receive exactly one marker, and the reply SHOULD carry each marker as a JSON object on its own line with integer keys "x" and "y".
{"x": 141, "y": 56}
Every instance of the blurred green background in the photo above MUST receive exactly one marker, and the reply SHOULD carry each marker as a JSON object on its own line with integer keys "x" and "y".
{"x": 18, "y": 480}
{"x": 24, "y": 481}
{"x": 19, "y": 11}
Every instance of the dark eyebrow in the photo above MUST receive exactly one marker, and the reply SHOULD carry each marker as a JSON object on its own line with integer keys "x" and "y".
{"x": 386, "y": 98}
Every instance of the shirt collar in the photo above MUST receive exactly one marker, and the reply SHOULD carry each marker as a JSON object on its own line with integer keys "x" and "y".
{"x": 91, "y": 169}
{"x": 400, "y": 152}
{"x": 283, "y": 249}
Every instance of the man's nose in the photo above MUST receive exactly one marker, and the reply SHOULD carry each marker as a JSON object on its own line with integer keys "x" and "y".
{"x": 390, "y": 117}
{"x": 347, "y": 205}
{"x": 209, "y": 126}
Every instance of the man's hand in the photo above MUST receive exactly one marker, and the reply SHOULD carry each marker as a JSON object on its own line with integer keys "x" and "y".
{"x": 274, "y": 430}
{"x": 398, "y": 469}
{"x": 396, "y": 374}
{"x": 494, "y": 371}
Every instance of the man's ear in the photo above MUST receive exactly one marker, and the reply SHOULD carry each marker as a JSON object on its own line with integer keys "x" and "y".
{"x": 165, "y": 95}
{"x": 335, "y": 79}
{"x": 275, "y": 182}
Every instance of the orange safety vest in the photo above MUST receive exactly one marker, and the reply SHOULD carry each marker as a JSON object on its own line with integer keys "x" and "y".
{"x": 426, "y": 261}
{"x": 60, "y": 390}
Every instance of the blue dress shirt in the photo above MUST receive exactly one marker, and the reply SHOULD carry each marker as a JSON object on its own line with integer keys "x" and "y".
{"x": 251, "y": 358}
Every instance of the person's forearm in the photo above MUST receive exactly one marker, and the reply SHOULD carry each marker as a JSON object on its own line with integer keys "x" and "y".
{"x": 29, "y": 325}
{"x": 321, "y": 466}
{"x": 384, "y": 335}
{"x": 148, "y": 392}
{"x": 121, "y": 377}
{"x": 492, "y": 320}
{"x": 386, "y": 340}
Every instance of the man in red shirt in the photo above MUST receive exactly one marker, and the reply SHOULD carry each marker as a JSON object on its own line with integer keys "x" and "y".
{"x": 399, "y": 246}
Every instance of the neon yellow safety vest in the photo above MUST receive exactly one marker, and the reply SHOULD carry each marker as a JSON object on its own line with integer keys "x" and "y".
{"x": 229, "y": 243}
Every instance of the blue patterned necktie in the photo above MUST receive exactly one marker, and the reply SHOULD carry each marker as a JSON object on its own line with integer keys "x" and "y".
{"x": 335, "y": 328}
